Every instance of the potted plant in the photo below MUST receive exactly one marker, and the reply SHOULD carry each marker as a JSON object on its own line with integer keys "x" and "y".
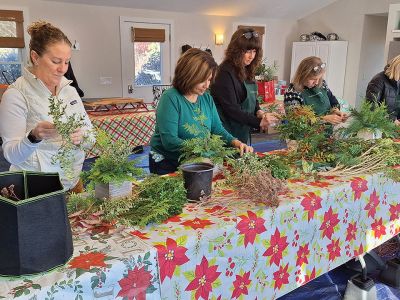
{"x": 371, "y": 121}
{"x": 112, "y": 173}
{"x": 265, "y": 80}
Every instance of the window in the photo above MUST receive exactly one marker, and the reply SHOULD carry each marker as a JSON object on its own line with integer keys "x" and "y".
{"x": 148, "y": 54}
{"x": 11, "y": 42}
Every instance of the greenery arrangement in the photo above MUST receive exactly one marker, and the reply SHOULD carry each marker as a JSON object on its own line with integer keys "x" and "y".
{"x": 65, "y": 125}
{"x": 265, "y": 72}
{"x": 371, "y": 116}
{"x": 113, "y": 164}
{"x": 205, "y": 145}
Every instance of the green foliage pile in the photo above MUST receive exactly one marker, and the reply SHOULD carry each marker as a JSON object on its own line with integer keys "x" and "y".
{"x": 157, "y": 199}
{"x": 113, "y": 164}
{"x": 205, "y": 144}
{"x": 372, "y": 116}
{"x": 265, "y": 72}
{"x": 65, "y": 125}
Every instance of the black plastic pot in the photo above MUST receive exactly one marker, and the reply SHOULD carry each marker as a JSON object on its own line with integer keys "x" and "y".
{"x": 198, "y": 180}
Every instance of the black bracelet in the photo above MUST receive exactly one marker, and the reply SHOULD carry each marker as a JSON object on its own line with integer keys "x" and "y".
{"x": 32, "y": 138}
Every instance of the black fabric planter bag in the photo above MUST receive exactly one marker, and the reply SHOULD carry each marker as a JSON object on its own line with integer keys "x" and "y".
{"x": 35, "y": 234}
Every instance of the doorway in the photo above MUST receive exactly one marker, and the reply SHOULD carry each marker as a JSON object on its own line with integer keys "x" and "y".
{"x": 145, "y": 63}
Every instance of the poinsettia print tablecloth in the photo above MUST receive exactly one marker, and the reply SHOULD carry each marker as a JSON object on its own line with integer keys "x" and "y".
{"x": 239, "y": 250}
{"x": 118, "y": 266}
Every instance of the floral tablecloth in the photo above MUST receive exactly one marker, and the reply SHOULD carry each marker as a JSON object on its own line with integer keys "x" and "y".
{"x": 136, "y": 127}
{"x": 231, "y": 249}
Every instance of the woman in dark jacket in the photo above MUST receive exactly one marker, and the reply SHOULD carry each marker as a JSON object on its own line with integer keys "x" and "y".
{"x": 384, "y": 87}
{"x": 234, "y": 90}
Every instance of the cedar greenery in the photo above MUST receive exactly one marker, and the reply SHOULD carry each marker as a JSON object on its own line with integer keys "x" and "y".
{"x": 113, "y": 164}
{"x": 204, "y": 144}
{"x": 65, "y": 125}
{"x": 157, "y": 199}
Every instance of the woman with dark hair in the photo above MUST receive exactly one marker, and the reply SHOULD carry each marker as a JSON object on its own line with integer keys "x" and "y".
{"x": 186, "y": 104}
{"x": 309, "y": 88}
{"x": 235, "y": 91}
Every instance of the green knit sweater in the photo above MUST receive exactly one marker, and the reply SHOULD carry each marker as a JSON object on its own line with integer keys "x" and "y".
{"x": 173, "y": 112}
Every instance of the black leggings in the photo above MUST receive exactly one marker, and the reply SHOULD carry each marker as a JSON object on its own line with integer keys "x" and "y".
{"x": 163, "y": 167}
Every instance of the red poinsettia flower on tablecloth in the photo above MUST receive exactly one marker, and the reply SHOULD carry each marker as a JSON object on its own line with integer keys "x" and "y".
{"x": 276, "y": 248}
{"x": 378, "y": 228}
{"x": 281, "y": 277}
{"x": 295, "y": 180}
{"x": 311, "y": 202}
{"x": 140, "y": 234}
{"x": 351, "y": 231}
{"x": 217, "y": 208}
{"x": 170, "y": 256}
{"x": 359, "y": 186}
{"x": 197, "y": 223}
{"x": 135, "y": 284}
{"x": 334, "y": 249}
{"x": 240, "y": 285}
{"x": 205, "y": 275}
{"x": 318, "y": 183}
{"x": 329, "y": 223}
{"x": 173, "y": 219}
{"x": 372, "y": 204}
{"x": 302, "y": 255}
{"x": 250, "y": 225}
{"x": 87, "y": 260}
{"x": 227, "y": 192}
{"x": 394, "y": 212}
{"x": 359, "y": 251}
{"x": 217, "y": 177}
{"x": 310, "y": 276}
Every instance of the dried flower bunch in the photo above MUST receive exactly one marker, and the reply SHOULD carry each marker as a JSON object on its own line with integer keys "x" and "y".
{"x": 8, "y": 192}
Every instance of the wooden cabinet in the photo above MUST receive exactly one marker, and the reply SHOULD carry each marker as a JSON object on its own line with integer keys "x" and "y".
{"x": 333, "y": 53}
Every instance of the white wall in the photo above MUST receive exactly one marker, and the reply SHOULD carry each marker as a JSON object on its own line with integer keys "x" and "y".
{"x": 346, "y": 18}
{"x": 372, "y": 52}
{"x": 96, "y": 28}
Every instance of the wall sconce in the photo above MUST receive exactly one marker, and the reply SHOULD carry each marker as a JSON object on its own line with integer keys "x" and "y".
{"x": 219, "y": 39}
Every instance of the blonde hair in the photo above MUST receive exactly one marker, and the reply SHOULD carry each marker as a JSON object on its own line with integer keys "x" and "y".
{"x": 192, "y": 68}
{"x": 393, "y": 69}
{"x": 309, "y": 67}
{"x": 43, "y": 34}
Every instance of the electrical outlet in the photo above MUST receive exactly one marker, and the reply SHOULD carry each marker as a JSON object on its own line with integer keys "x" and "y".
{"x": 105, "y": 80}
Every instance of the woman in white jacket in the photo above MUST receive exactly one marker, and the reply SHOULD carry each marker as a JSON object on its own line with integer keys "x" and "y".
{"x": 30, "y": 139}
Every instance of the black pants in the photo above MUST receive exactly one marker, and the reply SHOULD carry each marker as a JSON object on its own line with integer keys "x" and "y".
{"x": 163, "y": 167}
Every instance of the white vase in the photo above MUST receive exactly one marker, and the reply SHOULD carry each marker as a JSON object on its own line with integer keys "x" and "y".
{"x": 367, "y": 134}
{"x": 113, "y": 190}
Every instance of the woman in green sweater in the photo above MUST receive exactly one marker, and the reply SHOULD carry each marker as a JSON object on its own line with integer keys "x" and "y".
{"x": 187, "y": 103}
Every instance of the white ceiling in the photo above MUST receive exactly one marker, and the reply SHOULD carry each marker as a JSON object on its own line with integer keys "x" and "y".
{"x": 294, "y": 9}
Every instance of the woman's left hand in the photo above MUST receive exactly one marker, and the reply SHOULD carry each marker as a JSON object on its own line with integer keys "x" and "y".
{"x": 341, "y": 114}
{"x": 397, "y": 122}
{"x": 242, "y": 147}
{"x": 77, "y": 136}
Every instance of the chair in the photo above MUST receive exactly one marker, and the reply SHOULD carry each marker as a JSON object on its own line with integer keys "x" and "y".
{"x": 158, "y": 89}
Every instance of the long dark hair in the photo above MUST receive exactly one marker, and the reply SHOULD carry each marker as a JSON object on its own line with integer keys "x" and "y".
{"x": 238, "y": 45}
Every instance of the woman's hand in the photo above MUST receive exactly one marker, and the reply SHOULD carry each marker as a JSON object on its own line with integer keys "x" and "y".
{"x": 397, "y": 122}
{"x": 269, "y": 119}
{"x": 341, "y": 114}
{"x": 242, "y": 147}
{"x": 333, "y": 119}
{"x": 44, "y": 130}
{"x": 77, "y": 136}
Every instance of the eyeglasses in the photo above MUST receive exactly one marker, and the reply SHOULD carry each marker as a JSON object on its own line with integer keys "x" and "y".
{"x": 248, "y": 35}
{"x": 319, "y": 67}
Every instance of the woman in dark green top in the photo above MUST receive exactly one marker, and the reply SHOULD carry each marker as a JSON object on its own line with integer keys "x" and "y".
{"x": 184, "y": 104}
{"x": 308, "y": 88}
{"x": 235, "y": 91}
